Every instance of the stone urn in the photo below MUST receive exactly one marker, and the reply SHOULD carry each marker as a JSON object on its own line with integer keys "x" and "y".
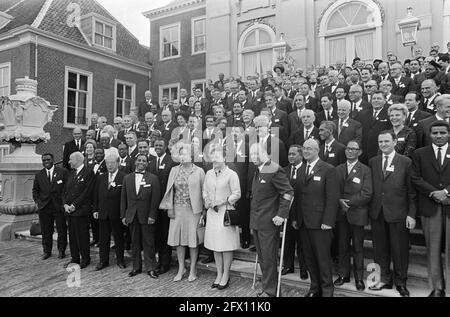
{"x": 23, "y": 115}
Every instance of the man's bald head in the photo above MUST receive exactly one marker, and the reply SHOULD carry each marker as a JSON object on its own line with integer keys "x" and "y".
{"x": 76, "y": 159}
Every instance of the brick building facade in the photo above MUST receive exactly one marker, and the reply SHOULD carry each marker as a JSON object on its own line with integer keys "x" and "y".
{"x": 106, "y": 71}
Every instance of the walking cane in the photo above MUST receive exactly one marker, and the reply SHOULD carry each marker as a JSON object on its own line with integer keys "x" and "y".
{"x": 254, "y": 272}
{"x": 281, "y": 257}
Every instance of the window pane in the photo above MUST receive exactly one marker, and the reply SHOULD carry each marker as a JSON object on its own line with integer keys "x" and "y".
{"x": 200, "y": 44}
{"x": 166, "y": 50}
{"x": 175, "y": 49}
{"x": 108, "y": 31}
{"x": 349, "y": 11}
{"x": 199, "y": 27}
{"x": 2, "y": 92}
{"x": 119, "y": 109}
{"x": 82, "y": 116}
{"x": 174, "y": 94}
{"x": 127, "y": 107}
{"x": 83, "y": 83}
{"x": 98, "y": 39}
{"x": 98, "y": 27}
{"x": 337, "y": 50}
{"x": 165, "y": 34}
{"x": 250, "y": 40}
{"x": 264, "y": 37}
{"x": 108, "y": 42}
{"x": 71, "y": 97}
{"x": 82, "y": 100}
{"x": 166, "y": 92}
{"x": 336, "y": 22}
{"x": 73, "y": 80}
{"x": 70, "y": 114}
{"x": 128, "y": 92}
{"x": 174, "y": 34}
{"x": 119, "y": 91}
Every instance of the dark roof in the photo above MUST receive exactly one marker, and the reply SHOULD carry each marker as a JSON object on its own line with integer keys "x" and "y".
{"x": 55, "y": 21}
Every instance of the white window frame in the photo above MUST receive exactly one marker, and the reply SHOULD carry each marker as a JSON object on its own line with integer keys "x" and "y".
{"x": 196, "y": 82}
{"x": 193, "y": 35}
{"x": 133, "y": 95}
{"x": 8, "y": 66}
{"x": 96, "y": 20}
{"x": 88, "y": 99}
{"x": 161, "y": 44}
{"x": 172, "y": 85}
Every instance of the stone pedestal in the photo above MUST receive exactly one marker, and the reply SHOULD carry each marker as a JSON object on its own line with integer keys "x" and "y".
{"x": 17, "y": 208}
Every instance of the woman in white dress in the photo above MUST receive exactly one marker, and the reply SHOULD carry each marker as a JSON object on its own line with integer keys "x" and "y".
{"x": 221, "y": 189}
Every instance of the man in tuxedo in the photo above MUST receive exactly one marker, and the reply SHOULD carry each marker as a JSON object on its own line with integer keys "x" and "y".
{"x": 118, "y": 126}
{"x": 146, "y": 106}
{"x": 414, "y": 71}
{"x": 415, "y": 115}
{"x": 355, "y": 184}
{"x": 328, "y": 113}
{"x": 373, "y": 121}
{"x": 77, "y": 202}
{"x": 314, "y": 213}
{"x": 113, "y": 142}
{"x": 254, "y": 96}
{"x": 131, "y": 141}
{"x": 270, "y": 201}
{"x": 139, "y": 209}
{"x": 106, "y": 209}
{"x": 292, "y": 242}
{"x": 400, "y": 85}
{"x": 76, "y": 145}
{"x": 99, "y": 168}
{"x": 48, "y": 188}
{"x": 127, "y": 127}
{"x": 347, "y": 128}
{"x": 306, "y": 131}
{"x": 161, "y": 165}
{"x": 442, "y": 114}
{"x": 184, "y": 98}
{"x": 275, "y": 128}
{"x": 392, "y": 212}
{"x": 431, "y": 178}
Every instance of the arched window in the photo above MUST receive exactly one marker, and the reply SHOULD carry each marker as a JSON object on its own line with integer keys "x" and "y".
{"x": 350, "y": 29}
{"x": 256, "y": 50}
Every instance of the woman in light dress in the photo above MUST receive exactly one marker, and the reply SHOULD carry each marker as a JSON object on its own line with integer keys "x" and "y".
{"x": 221, "y": 191}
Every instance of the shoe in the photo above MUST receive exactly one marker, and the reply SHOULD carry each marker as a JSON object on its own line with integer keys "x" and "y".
{"x": 403, "y": 291}
{"x": 312, "y": 294}
{"x": 221, "y": 287}
{"x": 179, "y": 278}
{"x": 101, "y": 266}
{"x": 163, "y": 269}
{"x": 134, "y": 273}
{"x": 61, "y": 255}
{"x": 287, "y": 270}
{"x": 45, "y": 256}
{"x": 85, "y": 264}
{"x": 214, "y": 285}
{"x": 152, "y": 274}
{"x": 304, "y": 274}
{"x": 379, "y": 288}
{"x": 360, "y": 285}
{"x": 71, "y": 262}
{"x": 437, "y": 293}
{"x": 341, "y": 281}
{"x": 121, "y": 265}
{"x": 245, "y": 245}
{"x": 192, "y": 278}
{"x": 209, "y": 259}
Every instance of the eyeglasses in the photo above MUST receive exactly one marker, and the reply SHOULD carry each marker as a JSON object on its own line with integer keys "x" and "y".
{"x": 352, "y": 149}
{"x": 369, "y": 86}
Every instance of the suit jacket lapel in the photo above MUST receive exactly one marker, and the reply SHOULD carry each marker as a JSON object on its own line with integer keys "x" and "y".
{"x": 433, "y": 158}
{"x": 353, "y": 172}
{"x": 314, "y": 171}
{"x": 394, "y": 164}
{"x": 446, "y": 159}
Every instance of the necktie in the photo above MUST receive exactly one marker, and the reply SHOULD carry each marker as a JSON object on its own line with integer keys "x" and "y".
{"x": 307, "y": 135}
{"x": 385, "y": 166}
{"x": 349, "y": 169}
{"x": 375, "y": 113}
{"x": 293, "y": 172}
{"x": 308, "y": 168}
{"x": 111, "y": 179}
{"x": 49, "y": 176}
{"x": 409, "y": 118}
{"x": 439, "y": 157}
{"x": 329, "y": 115}
{"x": 327, "y": 150}
{"x": 158, "y": 163}
{"x": 340, "y": 126}
{"x": 426, "y": 102}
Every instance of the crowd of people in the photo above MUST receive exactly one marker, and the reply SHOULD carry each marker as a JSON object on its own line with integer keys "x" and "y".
{"x": 330, "y": 150}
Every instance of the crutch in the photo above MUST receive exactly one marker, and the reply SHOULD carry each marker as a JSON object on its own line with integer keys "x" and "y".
{"x": 283, "y": 240}
{"x": 254, "y": 272}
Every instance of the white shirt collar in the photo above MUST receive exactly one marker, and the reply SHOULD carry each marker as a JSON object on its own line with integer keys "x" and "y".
{"x": 131, "y": 149}
{"x": 330, "y": 144}
{"x": 312, "y": 164}
{"x": 161, "y": 158}
{"x": 113, "y": 175}
{"x": 351, "y": 164}
{"x": 444, "y": 149}
{"x": 51, "y": 170}
{"x": 390, "y": 157}
{"x": 80, "y": 168}
{"x": 297, "y": 167}
{"x": 262, "y": 166}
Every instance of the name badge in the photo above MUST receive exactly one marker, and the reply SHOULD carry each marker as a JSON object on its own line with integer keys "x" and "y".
{"x": 401, "y": 139}
{"x": 448, "y": 156}
{"x": 59, "y": 182}
{"x": 430, "y": 107}
{"x": 167, "y": 129}
{"x": 415, "y": 124}
{"x": 145, "y": 186}
{"x": 331, "y": 155}
{"x": 263, "y": 181}
{"x": 385, "y": 120}
{"x": 317, "y": 178}
{"x": 390, "y": 169}
{"x": 143, "y": 183}
{"x": 161, "y": 167}
{"x": 277, "y": 120}
{"x": 113, "y": 184}
{"x": 356, "y": 180}
{"x": 123, "y": 164}
{"x": 345, "y": 125}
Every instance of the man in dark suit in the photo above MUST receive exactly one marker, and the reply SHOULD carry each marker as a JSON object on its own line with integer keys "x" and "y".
{"x": 412, "y": 100}
{"x": 282, "y": 103}
{"x": 373, "y": 122}
{"x": 275, "y": 128}
{"x": 358, "y": 104}
{"x": 278, "y": 117}
{"x": 168, "y": 125}
{"x": 306, "y": 131}
{"x": 146, "y": 106}
{"x": 314, "y": 213}
{"x": 442, "y": 113}
{"x": 400, "y": 85}
{"x": 76, "y": 145}
{"x": 328, "y": 113}
{"x": 334, "y": 84}
{"x": 106, "y": 209}
{"x": 392, "y": 212}
{"x": 429, "y": 91}
{"x": 48, "y": 188}
{"x": 331, "y": 152}
{"x": 295, "y": 117}
{"x": 383, "y": 71}
{"x": 77, "y": 201}
{"x": 310, "y": 102}
{"x": 355, "y": 184}
{"x": 139, "y": 209}
{"x": 161, "y": 167}
{"x": 292, "y": 242}
{"x": 347, "y": 128}
{"x": 431, "y": 178}
{"x": 124, "y": 159}
{"x": 271, "y": 198}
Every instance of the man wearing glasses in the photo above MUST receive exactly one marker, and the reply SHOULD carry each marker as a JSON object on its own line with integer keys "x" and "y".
{"x": 370, "y": 87}
{"x": 355, "y": 184}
